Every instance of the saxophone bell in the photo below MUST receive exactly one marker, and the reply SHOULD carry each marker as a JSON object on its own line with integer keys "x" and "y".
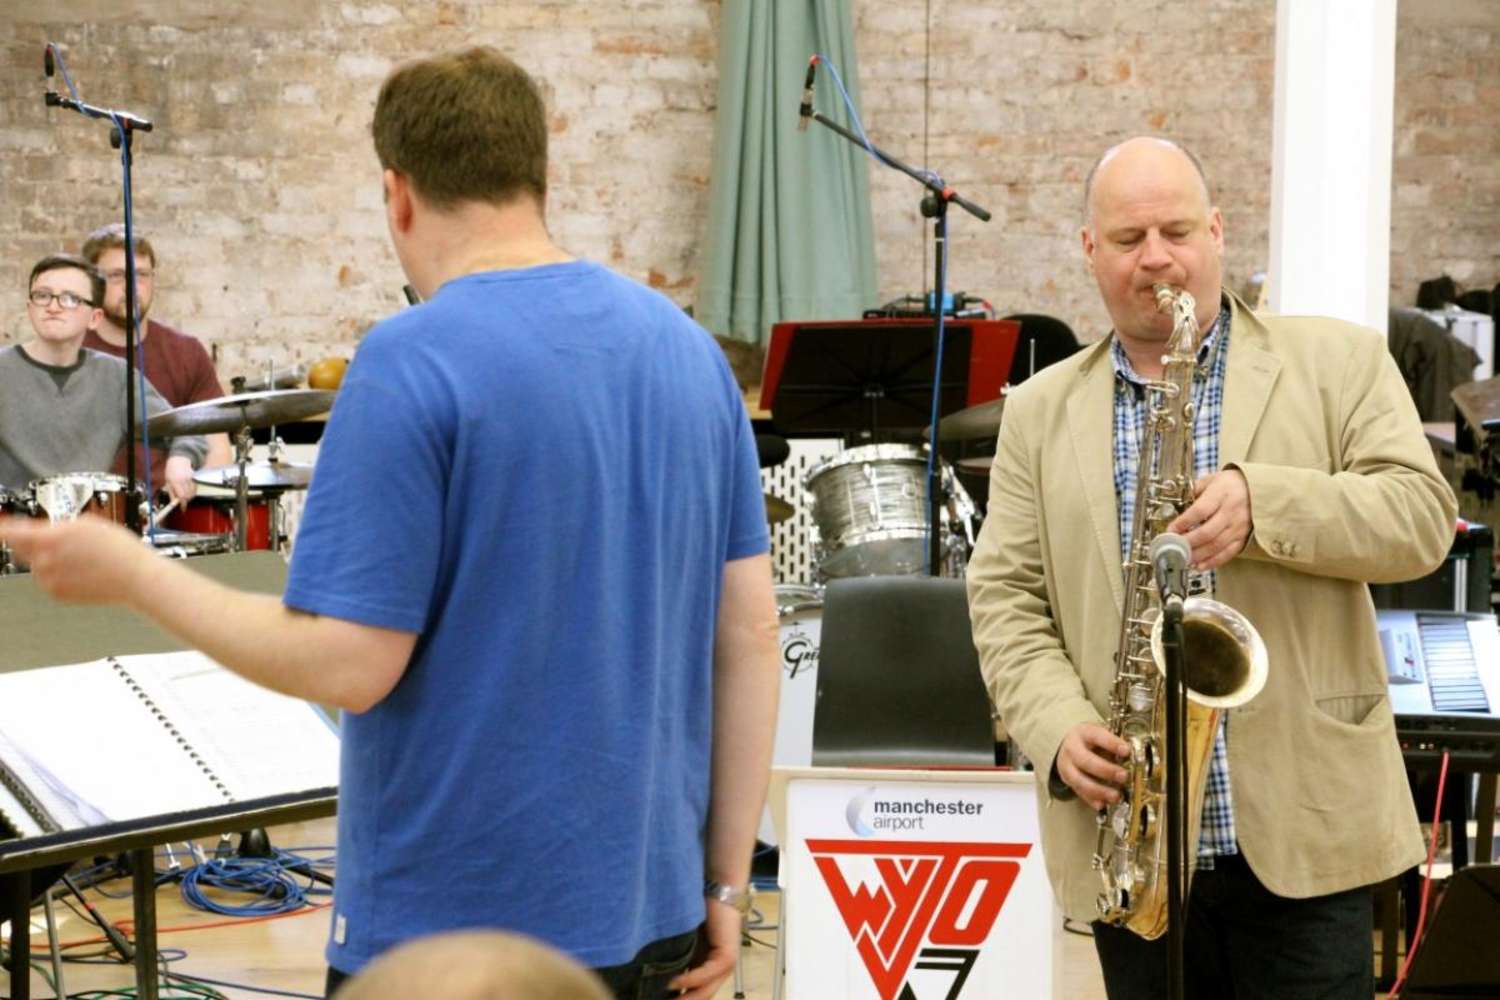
{"x": 1228, "y": 664}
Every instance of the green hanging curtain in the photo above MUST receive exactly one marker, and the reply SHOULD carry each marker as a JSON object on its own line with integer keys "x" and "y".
{"x": 789, "y": 228}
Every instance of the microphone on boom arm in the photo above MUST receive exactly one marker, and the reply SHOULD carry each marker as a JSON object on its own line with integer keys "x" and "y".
{"x": 804, "y": 113}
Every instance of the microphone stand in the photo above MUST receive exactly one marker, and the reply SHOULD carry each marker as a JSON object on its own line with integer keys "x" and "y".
{"x": 934, "y": 206}
{"x": 123, "y": 126}
{"x": 1175, "y": 706}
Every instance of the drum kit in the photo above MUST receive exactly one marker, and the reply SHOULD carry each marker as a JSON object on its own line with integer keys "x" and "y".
{"x": 870, "y": 517}
{"x": 249, "y": 513}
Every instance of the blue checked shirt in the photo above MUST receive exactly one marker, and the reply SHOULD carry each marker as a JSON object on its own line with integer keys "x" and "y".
{"x": 1217, "y": 835}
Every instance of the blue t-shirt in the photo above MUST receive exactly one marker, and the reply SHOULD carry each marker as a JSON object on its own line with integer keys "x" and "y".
{"x": 542, "y": 472}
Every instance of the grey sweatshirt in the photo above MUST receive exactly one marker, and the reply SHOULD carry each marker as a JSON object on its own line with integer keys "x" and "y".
{"x": 55, "y": 420}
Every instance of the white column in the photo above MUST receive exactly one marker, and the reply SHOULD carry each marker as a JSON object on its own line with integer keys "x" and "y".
{"x": 1331, "y": 159}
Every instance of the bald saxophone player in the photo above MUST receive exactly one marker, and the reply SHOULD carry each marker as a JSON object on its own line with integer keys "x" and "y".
{"x": 1312, "y": 478}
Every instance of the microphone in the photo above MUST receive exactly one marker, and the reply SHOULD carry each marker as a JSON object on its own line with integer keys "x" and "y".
{"x": 1170, "y": 555}
{"x": 805, "y": 111}
{"x": 48, "y": 68}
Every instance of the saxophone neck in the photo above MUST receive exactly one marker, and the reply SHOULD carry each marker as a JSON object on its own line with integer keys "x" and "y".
{"x": 1183, "y": 343}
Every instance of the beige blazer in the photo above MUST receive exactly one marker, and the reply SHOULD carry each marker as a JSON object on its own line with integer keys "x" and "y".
{"x": 1343, "y": 490}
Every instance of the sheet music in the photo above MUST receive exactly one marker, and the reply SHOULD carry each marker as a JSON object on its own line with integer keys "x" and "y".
{"x": 15, "y": 816}
{"x": 11, "y": 807}
{"x": 256, "y": 741}
{"x": 96, "y": 748}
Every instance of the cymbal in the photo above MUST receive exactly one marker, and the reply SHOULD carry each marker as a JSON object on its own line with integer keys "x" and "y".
{"x": 777, "y": 509}
{"x": 247, "y": 409}
{"x": 981, "y": 421}
{"x": 975, "y": 465}
{"x": 258, "y": 476}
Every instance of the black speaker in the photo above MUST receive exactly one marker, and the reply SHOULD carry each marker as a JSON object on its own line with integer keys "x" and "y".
{"x": 1458, "y": 955}
{"x": 1462, "y": 583}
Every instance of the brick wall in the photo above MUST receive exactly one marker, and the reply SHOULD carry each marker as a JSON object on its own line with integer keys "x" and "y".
{"x": 261, "y": 192}
{"x": 1445, "y": 178}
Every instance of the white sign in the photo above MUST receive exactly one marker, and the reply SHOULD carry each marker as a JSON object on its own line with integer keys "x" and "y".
{"x": 926, "y": 889}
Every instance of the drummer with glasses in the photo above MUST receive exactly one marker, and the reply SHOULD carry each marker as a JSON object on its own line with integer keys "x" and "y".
{"x": 62, "y": 407}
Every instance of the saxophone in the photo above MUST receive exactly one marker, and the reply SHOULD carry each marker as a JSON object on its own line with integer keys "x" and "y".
{"x": 1227, "y": 667}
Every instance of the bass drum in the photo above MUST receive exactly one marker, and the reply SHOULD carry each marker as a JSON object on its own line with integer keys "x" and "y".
{"x": 799, "y": 609}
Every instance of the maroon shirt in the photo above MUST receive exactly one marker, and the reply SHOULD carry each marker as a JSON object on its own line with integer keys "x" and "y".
{"x": 180, "y": 368}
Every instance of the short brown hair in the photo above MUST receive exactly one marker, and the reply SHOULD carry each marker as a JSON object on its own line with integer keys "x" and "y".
{"x": 112, "y": 237}
{"x": 465, "y": 126}
{"x": 59, "y": 261}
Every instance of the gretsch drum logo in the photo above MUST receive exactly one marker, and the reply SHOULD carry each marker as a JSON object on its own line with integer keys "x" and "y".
{"x": 932, "y": 908}
{"x": 799, "y": 651}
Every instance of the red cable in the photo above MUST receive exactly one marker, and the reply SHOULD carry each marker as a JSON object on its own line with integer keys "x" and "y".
{"x": 1437, "y": 815}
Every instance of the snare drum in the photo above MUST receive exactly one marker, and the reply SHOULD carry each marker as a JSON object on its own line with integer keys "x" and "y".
{"x": 215, "y": 516}
{"x": 68, "y": 496}
{"x": 870, "y": 508}
{"x": 800, "y": 611}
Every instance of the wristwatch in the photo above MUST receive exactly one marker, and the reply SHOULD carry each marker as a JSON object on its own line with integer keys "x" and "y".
{"x": 739, "y": 898}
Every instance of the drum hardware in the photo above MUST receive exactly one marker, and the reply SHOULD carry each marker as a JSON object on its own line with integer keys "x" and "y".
{"x": 272, "y": 378}
{"x": 777, "y": 509}
{"x": 263, "y": 476}
{"x": 238, "y": 414}
{"x": 182, "y": 544}
{"x": 11, "y": 505}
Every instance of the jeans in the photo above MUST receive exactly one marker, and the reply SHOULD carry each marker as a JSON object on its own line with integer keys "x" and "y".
{"x": 1245, "y": 943}
{"x": 644, "y": 977}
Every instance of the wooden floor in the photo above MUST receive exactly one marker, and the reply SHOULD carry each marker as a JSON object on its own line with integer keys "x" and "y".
{"x": 285, "y": 953}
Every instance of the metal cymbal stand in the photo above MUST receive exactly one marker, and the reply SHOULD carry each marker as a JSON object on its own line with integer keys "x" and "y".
{"x": 242, "y": 445}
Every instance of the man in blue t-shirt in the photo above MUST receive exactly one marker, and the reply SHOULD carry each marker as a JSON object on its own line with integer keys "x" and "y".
{"x": 532, "y": 570}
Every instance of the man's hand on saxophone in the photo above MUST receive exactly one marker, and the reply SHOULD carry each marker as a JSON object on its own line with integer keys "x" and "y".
{"x": 1087, "y": 763}
{"x": 1217, "y": 524}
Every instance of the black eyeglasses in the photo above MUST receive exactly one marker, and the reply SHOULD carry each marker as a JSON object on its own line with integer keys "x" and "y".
{"x": 41, "y": 298}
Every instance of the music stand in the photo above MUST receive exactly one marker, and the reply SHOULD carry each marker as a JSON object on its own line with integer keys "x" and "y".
{"x": 49, "y": 633}
{"x": 876, "y": 375}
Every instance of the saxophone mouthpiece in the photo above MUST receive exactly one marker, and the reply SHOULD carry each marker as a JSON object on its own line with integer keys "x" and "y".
{"x": 1165, "y": 296}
